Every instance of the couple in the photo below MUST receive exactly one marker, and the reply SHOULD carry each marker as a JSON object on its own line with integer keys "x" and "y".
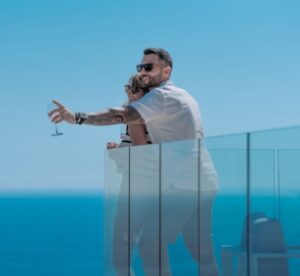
{"x": 170, "y": 114}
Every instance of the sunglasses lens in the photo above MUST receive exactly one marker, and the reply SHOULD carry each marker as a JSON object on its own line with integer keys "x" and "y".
{"x": 148, "y": 67}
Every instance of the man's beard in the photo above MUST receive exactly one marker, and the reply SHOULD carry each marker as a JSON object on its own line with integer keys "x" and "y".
{"x": 148, "y": 86}
{"x": 153, "y": 82}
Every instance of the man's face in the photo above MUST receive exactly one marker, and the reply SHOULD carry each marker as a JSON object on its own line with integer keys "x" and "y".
{"x": 154, "y": 72}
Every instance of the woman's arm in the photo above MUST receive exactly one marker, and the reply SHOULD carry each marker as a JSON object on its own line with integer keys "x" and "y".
{"x": 137, "y": 133}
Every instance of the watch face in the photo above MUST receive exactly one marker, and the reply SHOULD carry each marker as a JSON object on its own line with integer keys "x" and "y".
{"x": 80, "y": 117}
{"x": 84, "y": 116}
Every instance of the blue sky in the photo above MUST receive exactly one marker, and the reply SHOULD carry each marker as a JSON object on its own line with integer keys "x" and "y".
{"x": 239, "y": 59}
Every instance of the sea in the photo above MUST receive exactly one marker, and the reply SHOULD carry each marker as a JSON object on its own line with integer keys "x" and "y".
{"x": 48, "y": 234}
{"x": 62, "y": 234}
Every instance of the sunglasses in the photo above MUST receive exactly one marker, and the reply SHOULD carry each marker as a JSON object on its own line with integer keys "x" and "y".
{"x": 147, "y": 67}
{"x": 129, "y": 88}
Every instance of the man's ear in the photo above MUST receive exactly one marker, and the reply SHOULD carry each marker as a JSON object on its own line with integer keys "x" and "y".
{"x": 168, "y": 70}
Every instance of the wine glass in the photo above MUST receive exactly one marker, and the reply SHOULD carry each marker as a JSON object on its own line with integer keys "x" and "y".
{"x": 50, "y": 107}
{"x": 123, "y": 131}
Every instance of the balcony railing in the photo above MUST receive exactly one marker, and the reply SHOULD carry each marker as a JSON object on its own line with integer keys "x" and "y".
{"x": 226, "y": 206}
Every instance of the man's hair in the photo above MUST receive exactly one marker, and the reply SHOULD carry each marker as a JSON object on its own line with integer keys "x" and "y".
{"x": 161, "y": 53}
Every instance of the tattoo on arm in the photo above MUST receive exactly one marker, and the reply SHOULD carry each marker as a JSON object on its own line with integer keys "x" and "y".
{"x": 111, "y": 116}
{"x": 132, "y": 116}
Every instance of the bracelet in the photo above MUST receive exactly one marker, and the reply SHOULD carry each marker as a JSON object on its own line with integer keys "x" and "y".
{"x": 80, "y": 118}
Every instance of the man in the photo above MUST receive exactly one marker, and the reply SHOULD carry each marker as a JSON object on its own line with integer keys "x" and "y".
{"x": 170, "y": 114}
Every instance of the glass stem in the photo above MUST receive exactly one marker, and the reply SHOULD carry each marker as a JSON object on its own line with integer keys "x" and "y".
{"x": 56, "y": 129}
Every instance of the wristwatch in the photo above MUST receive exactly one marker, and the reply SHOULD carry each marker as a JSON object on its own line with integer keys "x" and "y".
{"x": 80, "y": 118}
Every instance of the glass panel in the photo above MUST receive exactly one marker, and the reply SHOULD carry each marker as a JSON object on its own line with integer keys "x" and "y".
{"x": 230, "y": 232}
{"x": 116, "y": 259}
{"x": 209, "y": 187}
{"x": 145, "y": 210}
{"x": 263, "y": 190}
{"x": 275, "y": 236}
{"x": 179, "y": 208}
{"x": 289, "y": 204}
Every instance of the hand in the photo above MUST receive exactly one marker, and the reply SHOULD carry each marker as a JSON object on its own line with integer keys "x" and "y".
{"x": 112, "y": 145}
{"x": 61, "y": 113}
{"x": 131, "y": 96}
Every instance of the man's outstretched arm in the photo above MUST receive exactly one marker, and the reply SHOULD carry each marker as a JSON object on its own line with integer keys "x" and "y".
{"x": 110, "y": 116}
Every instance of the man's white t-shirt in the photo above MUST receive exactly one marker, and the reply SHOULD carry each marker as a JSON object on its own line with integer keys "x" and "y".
{"x": 170, "y": 114}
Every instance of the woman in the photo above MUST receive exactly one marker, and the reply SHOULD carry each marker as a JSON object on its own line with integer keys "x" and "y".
{"x": 136, "y": 134}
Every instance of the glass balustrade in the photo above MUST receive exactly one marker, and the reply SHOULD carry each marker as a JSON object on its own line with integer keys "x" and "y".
{"x": 227, "y": 206}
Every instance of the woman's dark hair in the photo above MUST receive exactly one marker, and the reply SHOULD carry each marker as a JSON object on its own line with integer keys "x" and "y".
{"x": 161, "y": 53}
